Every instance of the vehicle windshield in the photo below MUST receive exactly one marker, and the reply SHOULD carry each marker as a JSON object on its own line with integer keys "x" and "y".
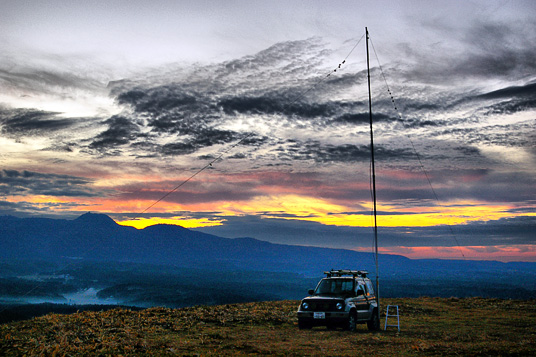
{"x": 335, "y": 287}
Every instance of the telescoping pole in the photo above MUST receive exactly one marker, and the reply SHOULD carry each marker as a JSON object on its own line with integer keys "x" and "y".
{"x": 373, "y": 182}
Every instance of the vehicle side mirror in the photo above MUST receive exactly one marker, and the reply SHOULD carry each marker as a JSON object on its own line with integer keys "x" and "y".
{"x": 311, "y": 291}
{"x": 360, "y": 292}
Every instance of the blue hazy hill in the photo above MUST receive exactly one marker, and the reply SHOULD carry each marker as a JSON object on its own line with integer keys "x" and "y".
{"x": 97, "y": 238}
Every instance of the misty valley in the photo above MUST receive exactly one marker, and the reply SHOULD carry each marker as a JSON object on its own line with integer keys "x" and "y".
{"x": 135, "y": 285}
{"x": 32, "y": 288}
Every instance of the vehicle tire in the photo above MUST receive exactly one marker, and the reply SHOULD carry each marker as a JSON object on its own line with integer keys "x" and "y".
{"x": 374, "y": 323}
{"x": 352, "y": 322}
{"x": 302, "y": 325}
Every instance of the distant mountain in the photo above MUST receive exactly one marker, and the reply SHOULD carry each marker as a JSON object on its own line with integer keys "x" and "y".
{"x": 96, "y": 237}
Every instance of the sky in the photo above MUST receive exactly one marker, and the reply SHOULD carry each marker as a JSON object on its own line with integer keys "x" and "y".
{"x": 250, "y": 119}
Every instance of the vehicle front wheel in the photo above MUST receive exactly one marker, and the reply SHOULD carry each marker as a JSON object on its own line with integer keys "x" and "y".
{"x": 374, "y": 323}
{"x": 352, "y": 322}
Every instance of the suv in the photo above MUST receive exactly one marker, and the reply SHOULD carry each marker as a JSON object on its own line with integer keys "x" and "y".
{"x": 343, "y": 298}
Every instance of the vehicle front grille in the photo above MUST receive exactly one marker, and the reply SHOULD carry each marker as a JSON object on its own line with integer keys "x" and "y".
{"x": 322, "y": 305}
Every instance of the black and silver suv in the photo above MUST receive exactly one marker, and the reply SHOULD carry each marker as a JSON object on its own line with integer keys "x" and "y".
{"x": 343, "y": 298}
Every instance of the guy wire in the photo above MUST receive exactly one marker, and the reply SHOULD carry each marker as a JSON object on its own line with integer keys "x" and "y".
{"x": 413, "y": 146}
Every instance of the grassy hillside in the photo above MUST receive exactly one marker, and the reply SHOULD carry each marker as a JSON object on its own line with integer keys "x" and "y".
{"x": 429, "y": 326}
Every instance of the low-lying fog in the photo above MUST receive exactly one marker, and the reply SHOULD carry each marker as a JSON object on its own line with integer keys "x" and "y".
{"x": 81, "y": 297}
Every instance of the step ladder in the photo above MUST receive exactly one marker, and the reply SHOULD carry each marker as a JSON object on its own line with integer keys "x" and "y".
{"x": 392, "y": 315}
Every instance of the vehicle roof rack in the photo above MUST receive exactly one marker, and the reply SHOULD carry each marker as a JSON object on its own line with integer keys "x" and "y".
{"x": 341, "y": 272}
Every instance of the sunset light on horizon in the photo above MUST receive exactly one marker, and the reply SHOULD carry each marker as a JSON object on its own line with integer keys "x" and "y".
{"x": 251, "y": 120}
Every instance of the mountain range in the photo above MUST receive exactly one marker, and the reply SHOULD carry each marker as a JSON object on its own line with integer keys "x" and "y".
{"x": 97, "y": 239}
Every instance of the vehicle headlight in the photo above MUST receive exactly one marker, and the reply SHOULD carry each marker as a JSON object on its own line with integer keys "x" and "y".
{"x": 305, "y": 306}
{"x": 339, "y": 305}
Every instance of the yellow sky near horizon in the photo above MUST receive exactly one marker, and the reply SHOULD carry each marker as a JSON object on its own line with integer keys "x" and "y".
{"x": 304, "y": 208}
{"x": 311, "y": 209}
{"x": 288, "y": 207}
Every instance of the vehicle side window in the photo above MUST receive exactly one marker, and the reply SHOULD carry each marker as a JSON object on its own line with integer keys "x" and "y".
{"x": 347, "y": 286}
{"x": 361, "y": 287}
{"x": 370, "y": 288}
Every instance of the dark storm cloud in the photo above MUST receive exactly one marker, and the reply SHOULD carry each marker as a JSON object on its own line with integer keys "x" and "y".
{"x": 314, "y": 150}
{"x": 247, "y": 141}
{"x": 158, "y": 99}
{"x": 344, "y": 80}
{"x": 121, "y": 131}
{"x": 196, "y": 120}
{"x": 194, "y": 104}
{"x": 179, "y": 148}
{"x": 412, "y": 123}
{"x": 181, "y": 123}
{"x": 267, "y": 105}
{"x": 362, "y": 118}
{"x": 207, "y": 137}
{"x": 27, "y": 122}
{"x": 419, "y": 106}
{"x": 511, "y": 107}
{"x": 511, "y": 99}
{"x": 175, "y": 109}
{"x": 193, "y": 107}
{"x": 169, "y": 109}
{"x": 211, "y": 136}
{"x": 526, "y": 91}
{"x": 507, "y": 100}
{"x": 17, "y": 183}
{"x": 254, "y": 140}
{"x": 520, "y": 135}
{"x": 295, "y": 109}
{"x": 281, "y": 84}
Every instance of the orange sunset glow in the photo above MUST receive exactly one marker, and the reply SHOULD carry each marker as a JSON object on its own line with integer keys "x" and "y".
{"x": 188, "y": 121}
{"x": 502, "y": 253}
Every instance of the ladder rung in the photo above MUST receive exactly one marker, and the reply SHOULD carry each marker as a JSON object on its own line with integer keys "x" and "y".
{"x": 392, "y": 315}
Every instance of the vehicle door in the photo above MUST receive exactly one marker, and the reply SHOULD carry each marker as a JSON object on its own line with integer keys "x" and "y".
{"x": 362, "y": 302}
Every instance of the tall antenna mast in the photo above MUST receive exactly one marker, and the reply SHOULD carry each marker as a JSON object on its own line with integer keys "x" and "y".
{"x": 373, "y": 181}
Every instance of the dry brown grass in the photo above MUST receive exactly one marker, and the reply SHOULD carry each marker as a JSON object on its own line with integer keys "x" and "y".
{"x": 429, "y": 326}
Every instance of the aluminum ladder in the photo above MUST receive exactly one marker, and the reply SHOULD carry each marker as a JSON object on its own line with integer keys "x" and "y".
{"x": 387, "y": 315}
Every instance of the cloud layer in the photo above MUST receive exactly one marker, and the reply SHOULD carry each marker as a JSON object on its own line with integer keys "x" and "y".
{"x": 278, "y": 141}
